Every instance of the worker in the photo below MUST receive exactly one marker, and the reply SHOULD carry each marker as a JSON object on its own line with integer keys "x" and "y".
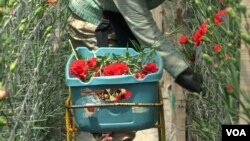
{"x": 92, "y": 22}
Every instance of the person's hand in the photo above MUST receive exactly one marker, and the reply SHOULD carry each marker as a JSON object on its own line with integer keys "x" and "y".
{"x": 188, "y": 80}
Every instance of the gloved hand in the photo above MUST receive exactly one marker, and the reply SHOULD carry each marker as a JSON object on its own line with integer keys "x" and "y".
{"x": 188, "y": 80}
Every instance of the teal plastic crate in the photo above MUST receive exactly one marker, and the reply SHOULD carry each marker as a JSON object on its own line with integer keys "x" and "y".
{"x": 117, "y": 118}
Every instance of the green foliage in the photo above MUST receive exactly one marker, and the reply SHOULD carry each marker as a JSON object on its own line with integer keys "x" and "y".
{"x": 218, "y": 65}
{"x": 33, "y": 52}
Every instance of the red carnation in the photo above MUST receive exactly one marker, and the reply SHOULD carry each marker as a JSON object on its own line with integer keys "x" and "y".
{"x": 149, "y": 68}
{"x": 92, "y": 62}
{"x": 117, "y": 98}
{"x": 108, "y": 71}
{"x": 183, "y": 39}
{"x": 117, "y": 68}
{"x": 121, "y": 68}
{"x": 219, "y": 17}
{"x": 203, "y": 28}
{"x": 126, "y": 94}
{"x": 79, "y": 69}
{"x": 139, "y": 75}
{"x": 217, "y": 48}
{"x": 198, "y": 35}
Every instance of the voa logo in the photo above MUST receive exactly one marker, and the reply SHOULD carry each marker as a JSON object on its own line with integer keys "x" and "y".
{"x": 236, "y": 132}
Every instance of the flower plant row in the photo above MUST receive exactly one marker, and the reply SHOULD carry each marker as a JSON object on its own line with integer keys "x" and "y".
{"x": 219, "y": 51}
{"x": 203, "y": 31}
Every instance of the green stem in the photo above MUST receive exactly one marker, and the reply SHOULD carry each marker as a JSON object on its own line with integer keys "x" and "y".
{"x": 71, "y": 45}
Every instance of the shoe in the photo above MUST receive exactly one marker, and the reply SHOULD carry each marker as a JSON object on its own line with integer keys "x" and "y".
{"x": 188, "y": 80}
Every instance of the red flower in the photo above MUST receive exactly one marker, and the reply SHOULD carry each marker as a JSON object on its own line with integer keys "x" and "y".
{"x": 219, "y": 17}
{"x": 183, "y": 39}
{"x": 50, "y": 1}
{"x": 229, "y": 88}
{"x": 227, "y": 56}
{"x": 198, "y": 35}
{"x": 92, "y": 62}
{"x": 121, "y": 68}
{"x": 139, "y": 75}
{"x": 149, "y": 68}
{"x": 117, "y": 68}
{"x": 79, "y": 69}
{"x": 108, "y": 71}
{"x": 126, "y": 95}
{"x": 117, "y": 98}
{"x": 217, "y": 48}
{"x": 203, "y": 28}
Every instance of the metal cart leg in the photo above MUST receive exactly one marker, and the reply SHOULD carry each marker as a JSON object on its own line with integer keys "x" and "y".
{"x": 161, "y": 120}
{"x": 161, "y": 129}
{"x": 69, "y": 123}
{"x": 71, "y": 128}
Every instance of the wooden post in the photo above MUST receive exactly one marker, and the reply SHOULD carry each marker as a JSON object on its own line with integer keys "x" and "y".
{"x": 180, "y": 95}
{"x": 166, "y": 81}
{"x": 244, "y": 69}
{"x": 175, "y": 119}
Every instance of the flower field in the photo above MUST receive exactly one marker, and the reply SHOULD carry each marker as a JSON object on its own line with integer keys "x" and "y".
{"x": 33, "y": 54}
{"x": 34, "y": 49}
{"x": 212, "y": 42}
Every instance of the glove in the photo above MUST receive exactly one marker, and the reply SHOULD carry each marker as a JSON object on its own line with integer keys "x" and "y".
{"x": 188, "y": 80}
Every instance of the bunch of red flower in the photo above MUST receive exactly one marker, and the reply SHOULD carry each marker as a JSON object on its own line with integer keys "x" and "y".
{"x": 117, "y": 68}
{"x": 85, "y": 69}
{"x": 220, "y": 16}
{"x": 80, "y": 68}
{"x": 146, "y": 69}
{"x": 113, "y": 94}
{"x": 198, "y": 35}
